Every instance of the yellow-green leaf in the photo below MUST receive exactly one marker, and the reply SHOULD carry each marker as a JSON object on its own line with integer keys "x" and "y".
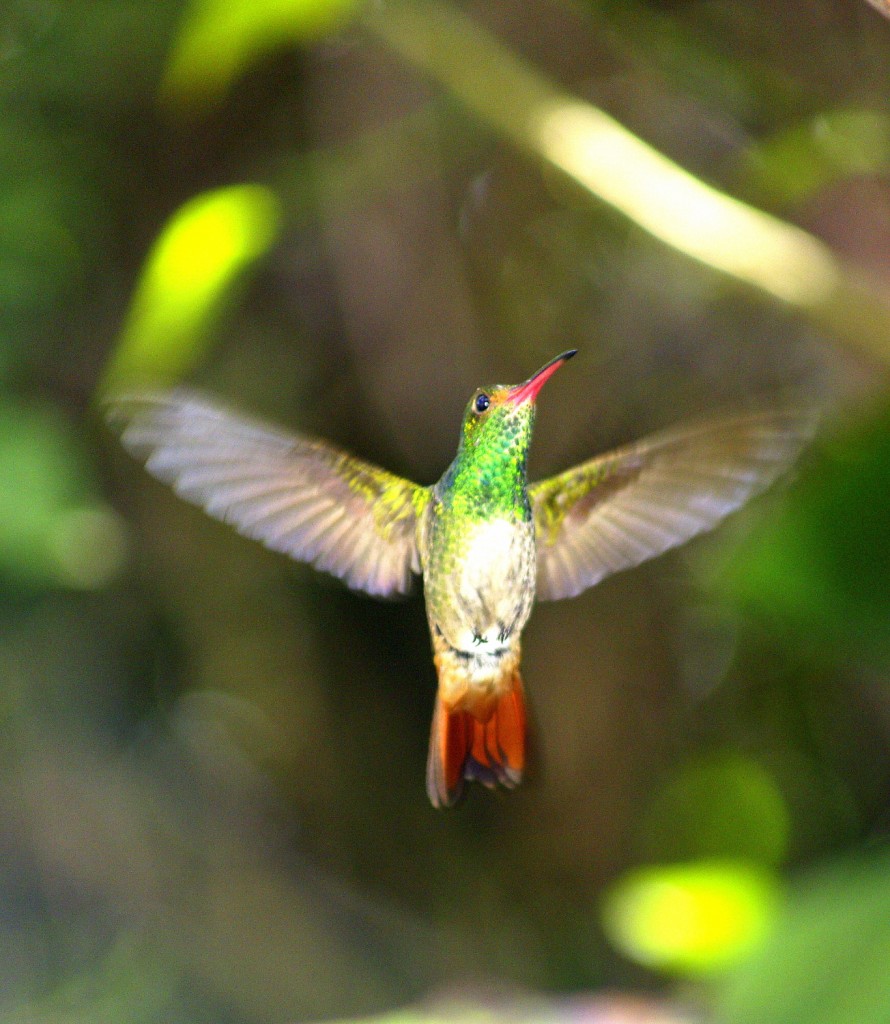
{"x": 691, "y": 918}
{"x": 220, "y": 38}
{"x": 187, "y": 279}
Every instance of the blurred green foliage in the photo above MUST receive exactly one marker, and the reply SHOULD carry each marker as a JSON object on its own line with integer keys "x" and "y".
{"x": 825, "y": 562}
{"x": 826, "y": 962}
{"x": 54, "y": 530}
{"x": 692, "y": 918}
{"x": 187, "y": 279}
{"x": 220, "y": 39}
{"x": 719, "y": 805}
{"x": 212, "y": 803}
{"x": 797, "y": 163}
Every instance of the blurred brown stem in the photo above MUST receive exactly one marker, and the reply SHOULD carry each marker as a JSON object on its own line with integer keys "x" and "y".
{"x": 514, "y": 99}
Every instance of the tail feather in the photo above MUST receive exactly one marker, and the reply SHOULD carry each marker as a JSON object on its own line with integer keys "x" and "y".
{"x": 486, "y": 744}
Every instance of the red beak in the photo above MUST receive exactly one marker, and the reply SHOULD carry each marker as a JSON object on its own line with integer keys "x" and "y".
{"x": 528, "y": 391}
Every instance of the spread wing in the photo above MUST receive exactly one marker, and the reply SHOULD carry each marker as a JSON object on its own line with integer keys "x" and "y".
{"x": 621, "y": 508}
{"x": 295, "y": 494}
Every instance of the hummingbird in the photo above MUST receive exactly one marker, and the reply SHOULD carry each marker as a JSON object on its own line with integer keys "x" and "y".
{"x": 486, "y": 542}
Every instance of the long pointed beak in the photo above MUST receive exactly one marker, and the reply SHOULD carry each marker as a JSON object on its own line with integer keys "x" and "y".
{"x": 528, "y": 391}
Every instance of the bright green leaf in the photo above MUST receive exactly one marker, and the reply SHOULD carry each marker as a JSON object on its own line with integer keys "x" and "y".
{"x": 188, "y": 278}
{"x": 220, "y": 38}
{"x": 691, "y": 918}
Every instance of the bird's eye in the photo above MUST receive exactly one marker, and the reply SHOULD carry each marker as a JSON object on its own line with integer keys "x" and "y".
{"x": 482, "y": 403}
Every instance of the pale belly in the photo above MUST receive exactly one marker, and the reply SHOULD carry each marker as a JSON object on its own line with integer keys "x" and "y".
{"x": 480, "y": 591}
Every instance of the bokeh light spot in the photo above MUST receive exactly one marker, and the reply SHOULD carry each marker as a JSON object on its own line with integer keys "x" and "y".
{"x": 88, "y": 545}
{"x": 200, "y": 254}
{"x": 720, "y": 805}
{"x": 691, "y": 918}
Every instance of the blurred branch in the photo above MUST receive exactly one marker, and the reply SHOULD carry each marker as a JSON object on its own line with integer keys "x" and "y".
{"x": 611, "y": 163}
{"x": 881, "y": 5}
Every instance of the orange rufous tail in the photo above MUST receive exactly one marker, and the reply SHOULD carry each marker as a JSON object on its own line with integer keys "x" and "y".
{"x": 486, "y": 745}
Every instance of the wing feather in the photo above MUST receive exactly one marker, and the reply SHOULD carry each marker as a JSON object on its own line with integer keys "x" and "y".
{"x": 622, "y": 508}
{"x": 297, "y": 495}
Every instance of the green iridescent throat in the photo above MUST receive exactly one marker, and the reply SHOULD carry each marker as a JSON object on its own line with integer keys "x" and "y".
{"x": 487, "y": 479}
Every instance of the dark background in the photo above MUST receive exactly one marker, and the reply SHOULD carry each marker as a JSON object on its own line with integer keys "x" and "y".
{"x": 211, "y": 802}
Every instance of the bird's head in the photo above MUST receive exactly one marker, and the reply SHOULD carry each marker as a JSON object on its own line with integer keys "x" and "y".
{"x": 502, "y": 415}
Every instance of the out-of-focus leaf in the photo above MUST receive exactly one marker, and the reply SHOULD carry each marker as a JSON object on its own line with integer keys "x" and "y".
{"x": 823, "y": 562}
{"x": 187, "y": 279}
{"x": 826, "y": 960}
{"x": 52, "y": 529}
{"x": 726, "y": 805}
{"x": 49, "y": 223}
{"x": 618, "y": 167}
{"x": 220, "y": 38}
{"x": 797, "y": 163}
{"x": 47, "y": 46}
{"x": 134, "y": 981}
{"x": 691, "y": 918}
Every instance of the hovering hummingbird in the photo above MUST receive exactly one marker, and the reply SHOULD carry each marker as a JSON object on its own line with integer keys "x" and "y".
{"x": 486, "y": 542}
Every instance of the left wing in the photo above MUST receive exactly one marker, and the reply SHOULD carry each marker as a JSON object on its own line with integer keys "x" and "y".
{"x": 629, "y": 505}
{"x": 298, "y": 495}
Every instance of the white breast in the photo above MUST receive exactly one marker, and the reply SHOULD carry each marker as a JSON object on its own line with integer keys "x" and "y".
{"x": 493, "y": 551}
{"x": 491, "y": 585}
